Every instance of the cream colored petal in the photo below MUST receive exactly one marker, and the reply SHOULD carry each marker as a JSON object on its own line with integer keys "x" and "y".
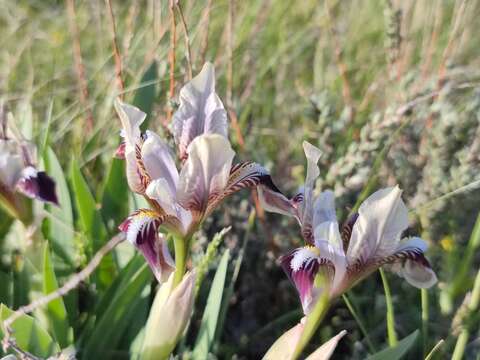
{"x": 158, "y": 161}
{"x": 325, "y": 351}
{"x": 11, "y": 164}
{"x": 206, "y": 171}
{"x": 131, "y": 118}
{"x": 381, "y": 219}
{"x": 313, "y": 172}
{"x": 169, "y": 315}
{"x": 200, "y": 112}
{"x": 324, "y": 208}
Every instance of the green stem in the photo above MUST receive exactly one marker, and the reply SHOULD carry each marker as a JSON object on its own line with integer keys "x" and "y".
{"x": 465, "y": 333}
{"x": 181, "y": 250}
{"x": 313, "y": 321}
{"x": 359, "y": 322}
{"x": 425, "y": 319}
{"x": 392, "y": 335}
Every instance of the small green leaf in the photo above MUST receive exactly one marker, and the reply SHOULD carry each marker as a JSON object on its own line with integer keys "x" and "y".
{"x": 60, "y": 223}
{"x": 115, "y": 195}
{"x": 29, "y": 335}
{"x": 55, "y": 309}
{"x": 396, "y": 352}
{"x": 206, "y": 334}
{"x": 92, "y": 224}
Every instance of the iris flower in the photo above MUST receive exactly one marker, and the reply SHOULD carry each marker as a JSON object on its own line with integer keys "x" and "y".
{"x": 18, "y": 172}
{"x": 181, "y": 197}
{"x": 336, "y": 258}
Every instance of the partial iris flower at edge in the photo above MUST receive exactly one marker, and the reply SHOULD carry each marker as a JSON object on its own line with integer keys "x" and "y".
{"x": 343, "y": 256}
{"x": 18, "y": 172}
{"x": 181, "y": 199}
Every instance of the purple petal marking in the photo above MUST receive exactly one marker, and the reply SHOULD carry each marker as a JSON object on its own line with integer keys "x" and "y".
{"x": 37, "y": 185}
{"x": 303, "y": 278}
{"x": 142, "y": 231}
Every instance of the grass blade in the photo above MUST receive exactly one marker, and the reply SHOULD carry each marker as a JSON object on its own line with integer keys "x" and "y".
{"x": 206, "y": 334}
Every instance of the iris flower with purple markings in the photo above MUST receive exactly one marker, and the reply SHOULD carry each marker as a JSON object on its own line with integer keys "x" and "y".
{"x": 18, "y": 172}
{"x": 344, "y": 255}
{"x": 181, "y": 197}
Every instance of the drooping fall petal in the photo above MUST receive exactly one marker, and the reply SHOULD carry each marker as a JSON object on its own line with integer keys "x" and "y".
{"x": 242, "y": 176}
{"x": 206, "y": 171}
{"x": 37, "y": 185}
{"x": 382, "y": 218}
{"x": 409, "y": 262}
{"x": 201, "y": 111}
{"x": 141, "y": 229}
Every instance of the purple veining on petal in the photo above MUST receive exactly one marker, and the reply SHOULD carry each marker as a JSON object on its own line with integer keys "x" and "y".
{"x": 303, "y": 278}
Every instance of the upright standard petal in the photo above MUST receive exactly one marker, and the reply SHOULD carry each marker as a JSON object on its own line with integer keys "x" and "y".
{"x": 306, "y": 207}
{"x": 131, "y": 118}
{"x": 206, "y": 171}
{"x": 409, "y": 262}
{"x": 158, "y": 161}
{"x": 141, "y": 229}
{"x": 324, "y": 208}
{"x": 201, "y": 111}
{"x": 381, "y": 220}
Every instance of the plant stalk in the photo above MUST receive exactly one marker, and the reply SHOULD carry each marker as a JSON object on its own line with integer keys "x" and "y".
{"x": 181, "y": 250}
{"x": 314, "y": 319}
{"x": 392, "y": 335}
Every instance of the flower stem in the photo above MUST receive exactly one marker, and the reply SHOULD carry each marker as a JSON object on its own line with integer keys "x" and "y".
{"x": 181, "y": 250}
{"x": 425, "y": 319}
{"x": 465, "y": 333}
{"x": 392, "y": 335}
{"x": 313, "y": 321}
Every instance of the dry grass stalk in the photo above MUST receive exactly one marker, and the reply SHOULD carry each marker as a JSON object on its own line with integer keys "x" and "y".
{"x": 173, "y": 44}
{"x": 116, "y": 51}
{"x": 71, "y": 284}
{"x": 206, "y": 25}
{"x": 79, "y": 67}
{"x": 342, "y": 67}
{"x": 188, "y": 52}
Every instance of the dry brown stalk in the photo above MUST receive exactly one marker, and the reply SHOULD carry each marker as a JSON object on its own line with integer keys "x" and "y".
{"x": 342, "y": 67}
{"x": 188, "y": 52}
{"x": 116, "y": 51}
{"x": 79, "y": 67}
{"x": 173, "y": 42}
{"x": 206, "y": 24}
{"x": 229, "y": 97}
{"x": 71, "y": 284}
{"x": 130, "y": 27}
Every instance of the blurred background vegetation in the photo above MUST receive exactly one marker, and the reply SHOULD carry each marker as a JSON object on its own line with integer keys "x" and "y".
{"x": 389, "y": 90}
